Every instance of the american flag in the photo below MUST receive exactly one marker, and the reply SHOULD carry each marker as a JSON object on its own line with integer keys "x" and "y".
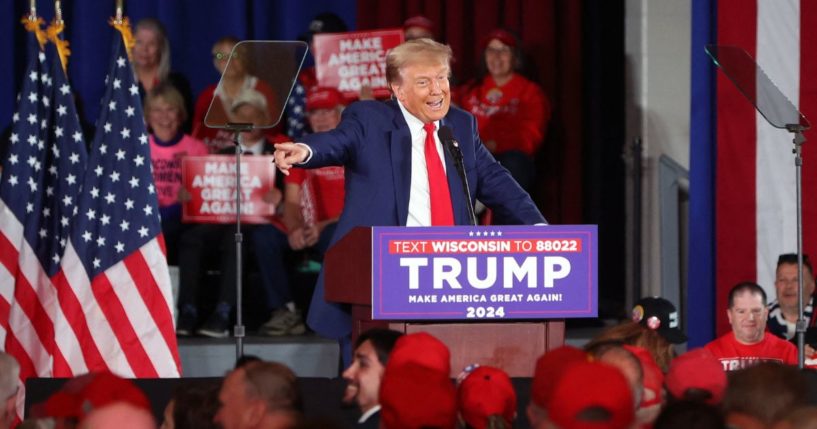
{"x": 41, "y": 179}
{"x": 103, "y": 302}
{"x": 114, "y": 272}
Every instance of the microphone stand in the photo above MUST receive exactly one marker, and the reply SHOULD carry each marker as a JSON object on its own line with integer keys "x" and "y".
{"x": 238, "y": 329}
{"x": 800, "y": 326}
{"x": 454, "y": 149}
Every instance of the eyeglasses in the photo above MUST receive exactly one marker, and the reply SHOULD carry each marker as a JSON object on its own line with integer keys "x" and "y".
{"x": 222, "y": 56}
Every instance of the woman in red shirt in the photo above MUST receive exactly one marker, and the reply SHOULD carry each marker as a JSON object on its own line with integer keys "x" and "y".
{"x": 511, "y": 110}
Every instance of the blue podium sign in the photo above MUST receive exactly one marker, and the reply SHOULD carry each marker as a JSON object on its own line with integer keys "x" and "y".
{"x": 484, "y": 272}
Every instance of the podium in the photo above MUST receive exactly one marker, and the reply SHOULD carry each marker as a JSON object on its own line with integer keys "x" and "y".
{"x": 513, "y": 346}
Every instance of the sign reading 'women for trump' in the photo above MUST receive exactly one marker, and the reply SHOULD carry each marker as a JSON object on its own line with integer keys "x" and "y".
{"x": 497, "y": 272}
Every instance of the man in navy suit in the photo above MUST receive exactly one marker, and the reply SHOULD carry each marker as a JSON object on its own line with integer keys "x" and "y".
{"x": 391, "y": 179}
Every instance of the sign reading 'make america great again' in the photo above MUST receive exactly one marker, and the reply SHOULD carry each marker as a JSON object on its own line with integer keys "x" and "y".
{"x": 497, "y": 272}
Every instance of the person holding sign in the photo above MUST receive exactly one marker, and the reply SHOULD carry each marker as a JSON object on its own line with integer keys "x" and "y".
{"x": 249, "y": 107}
{"x": 164, "y": 114}
{"x": 314, "y": 198}
{"x": 397, "y": 171}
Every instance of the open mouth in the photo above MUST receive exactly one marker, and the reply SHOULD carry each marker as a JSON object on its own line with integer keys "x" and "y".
{"x": 435, "y": 104}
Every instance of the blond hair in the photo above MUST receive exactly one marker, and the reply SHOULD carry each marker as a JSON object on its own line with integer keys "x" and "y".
{"x": 167, "y": 92}
{"x": 415, "y": 51}
{"x": 153, "y": 24}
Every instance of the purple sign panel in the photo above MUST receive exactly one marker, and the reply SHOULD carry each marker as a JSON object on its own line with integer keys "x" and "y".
{"x": 484, "y": 272}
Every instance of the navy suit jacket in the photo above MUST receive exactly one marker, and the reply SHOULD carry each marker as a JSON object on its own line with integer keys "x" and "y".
{"x": 373, "y": 143}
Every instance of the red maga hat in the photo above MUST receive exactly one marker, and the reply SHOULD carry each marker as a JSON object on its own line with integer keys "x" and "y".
{"x": 414, "y": 396}
{"x": 419, "y": 21}
{"x": 503, "y": 36}
{"x": 549, "y": 367}
{"x": 697, "y": 369}
{"x": 423, "y": 349}
{"x": 323, "y": 98}
{"x": 80, "y": 396}
{"x": 592, "y": 386}
{"x": 485, "y": 392}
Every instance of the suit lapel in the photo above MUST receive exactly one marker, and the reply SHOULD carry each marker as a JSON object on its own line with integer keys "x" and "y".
{"x": 400, "y": 145}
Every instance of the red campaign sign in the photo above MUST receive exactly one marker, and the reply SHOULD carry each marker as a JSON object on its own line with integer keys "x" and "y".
{"x": 347, "y": 61}
{"x": 210, "y": 181}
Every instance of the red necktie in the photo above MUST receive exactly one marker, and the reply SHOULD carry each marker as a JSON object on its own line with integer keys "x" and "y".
{"x": 441, "y": 211}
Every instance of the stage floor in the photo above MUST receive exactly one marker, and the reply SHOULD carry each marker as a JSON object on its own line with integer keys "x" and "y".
{"x": 308, "y": 355}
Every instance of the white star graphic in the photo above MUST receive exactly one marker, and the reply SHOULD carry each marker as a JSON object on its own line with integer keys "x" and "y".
{"x": 129, "y": 204}
{"x": 33, "y": 76}
{"x": 56, "y": 151}
{"x": 62, "y": 110}
{"x": 65, "y": 89}
{"x": 120, "y": 62}
{"x": 143, "y": 232}
{"x": 77, "y": 136}
{"x": 32, "y": 184}
{"x": 108, "y": 127}
{"x": 74, "y": 158}
{"x": 29, "y": 208}
{"x": 143, "y": 139}
{"x": 86, "y": 236}
{"x": 32, "y": 119}
{"x": 119, "y": 247}
{"x": 124, "y": 225}
{"x": 112, "y": 105}
{"x": 148, "y": 210}
{"x": 134, "y": 182}
{"x": 43, "y": 233}
{"x": 151, "y": 189}
{"x": 105, "y": 219}
{"x": 67, "y": 200}
{"x": 110, "y": 198}
{"x": 130, "y": 111}
{"x": 98, "y": 170}
{"x": 14, "y": 138}
{"x": 32, "y": 97}
{"x": 103, "y": 149}
{"x": 139, "y": 160}
{"x": 32, "y": 140}
{"x": 134, "y": 90}
{"x": 95, "y": 192}
{"x": 64, "y": 221}
{"x": 117, "y": 83}
{"x": 56, "y": 258}
{"x": 12, "y": 180}
{"x": 125, "y": 133}
{"x": 58, "y": 132}
{"x": 91, "y": 214}
{"x": 100, "y": 241}
{"x": 97, "y": 263}
{"x": 120, "y": 154}
{"x": 114, "y": 176}
{"x": 13, "y": 159}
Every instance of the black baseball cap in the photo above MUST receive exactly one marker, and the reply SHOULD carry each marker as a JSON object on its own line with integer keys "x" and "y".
{"x": 326, "y": 22}
{"x": 661, "y": 316}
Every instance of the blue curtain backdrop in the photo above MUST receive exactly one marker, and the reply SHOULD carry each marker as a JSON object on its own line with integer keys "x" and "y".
{"x": 193, "y": 26}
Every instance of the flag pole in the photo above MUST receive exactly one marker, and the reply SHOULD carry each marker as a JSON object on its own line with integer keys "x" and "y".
{"x": 58, "y": 12}
{"x": 32, "y": 10}
{"x": 119, "y": 11}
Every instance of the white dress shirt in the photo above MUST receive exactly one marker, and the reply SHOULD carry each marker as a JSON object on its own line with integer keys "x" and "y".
{"x": 419, "y": 206}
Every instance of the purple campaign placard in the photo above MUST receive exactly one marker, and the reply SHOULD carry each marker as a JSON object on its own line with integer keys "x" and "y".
{"x": 484, "y": 272}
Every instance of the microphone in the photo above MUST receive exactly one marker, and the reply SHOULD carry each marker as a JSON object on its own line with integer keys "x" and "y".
{"x": 453, "y": 147}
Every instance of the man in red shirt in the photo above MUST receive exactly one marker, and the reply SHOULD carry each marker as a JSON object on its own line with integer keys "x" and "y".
{"x": 749, "y": 344}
